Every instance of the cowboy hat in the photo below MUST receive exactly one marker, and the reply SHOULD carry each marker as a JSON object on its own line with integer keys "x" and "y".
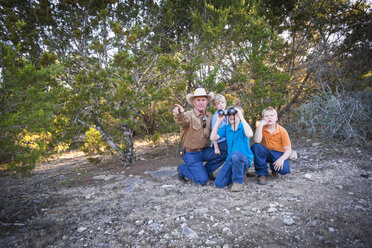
{"x": 199, "y": 92}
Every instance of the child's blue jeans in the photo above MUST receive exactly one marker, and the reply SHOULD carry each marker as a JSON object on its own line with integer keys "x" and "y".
{"x": 233, "y": 170}
{"x": 262, "y": 156}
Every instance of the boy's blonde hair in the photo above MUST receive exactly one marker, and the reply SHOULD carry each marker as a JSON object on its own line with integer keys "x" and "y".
{"x": 269, "y": 109}
{"x": 218, "y": 98}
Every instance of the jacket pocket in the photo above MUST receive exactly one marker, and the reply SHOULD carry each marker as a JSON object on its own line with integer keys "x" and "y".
{"x": 196, "y": 123}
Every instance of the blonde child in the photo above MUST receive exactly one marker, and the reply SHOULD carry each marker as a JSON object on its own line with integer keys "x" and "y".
{"x": 272, "y": 145}
{"x": 219, "y": 104}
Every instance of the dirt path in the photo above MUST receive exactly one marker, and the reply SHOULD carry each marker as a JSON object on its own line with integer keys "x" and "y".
{"x": 324, "y": 202}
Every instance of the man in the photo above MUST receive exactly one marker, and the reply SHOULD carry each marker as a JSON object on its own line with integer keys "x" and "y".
{"x": 195, "y": 126}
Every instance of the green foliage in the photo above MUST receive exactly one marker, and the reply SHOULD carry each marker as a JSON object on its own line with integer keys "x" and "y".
{"x": 94, "y": 145}
{"x": 28, "y": 120}
{"x": 345, "y": 117}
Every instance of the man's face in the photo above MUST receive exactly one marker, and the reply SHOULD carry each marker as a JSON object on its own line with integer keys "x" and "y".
{"x": 270, "y": 117}
{"x": 220, "y": 105}
{"x": 200, "y": 103}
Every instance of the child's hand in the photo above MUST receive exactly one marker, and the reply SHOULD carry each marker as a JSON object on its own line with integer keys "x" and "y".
{"x": 278, "y": 164}
{"x": 239, "y": 113}
{"x": 217, "y": 150}
{"x": 263, "y": 123}
{"x": 220, "y": 118}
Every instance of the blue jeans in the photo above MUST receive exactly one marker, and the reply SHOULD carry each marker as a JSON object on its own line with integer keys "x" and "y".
{"x": 233, "y": 170}
{"x": 222, "y": 146}
{"x": 194, "y": 169}
{"x": 262, "y": 156}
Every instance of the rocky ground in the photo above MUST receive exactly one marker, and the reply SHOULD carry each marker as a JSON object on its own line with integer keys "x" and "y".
{"x": 324, "y": 202}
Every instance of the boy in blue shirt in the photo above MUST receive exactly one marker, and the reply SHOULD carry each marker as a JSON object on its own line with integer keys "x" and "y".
{"x": 240, "y": 156}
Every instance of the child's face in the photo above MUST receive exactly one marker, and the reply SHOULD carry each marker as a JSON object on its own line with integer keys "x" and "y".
{"x": 270, "y": 117}
{"x": 234, "y": 118}
{"x": 221, "y": 105}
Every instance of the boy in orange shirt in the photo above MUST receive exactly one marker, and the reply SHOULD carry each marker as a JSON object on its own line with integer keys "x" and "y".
{"x": 272, "y": 145}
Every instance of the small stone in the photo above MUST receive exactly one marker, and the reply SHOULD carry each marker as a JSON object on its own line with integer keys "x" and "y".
{"x": 358, "y": 207}
{"x": 188, "y": 232}
{"x": 226, "y": 211}
{"x": 81, "y": 229}
{"x": 315, "y": 144}
{"x": 166, "y": 236}
{"x": 163, "y": 173}
{"x": 293, "y": 155}
{"x": 226, "y": 229}
{"x": 272, "y": 210}
{"x": 88, "y": 196}
{"x": 331, "y": 229}
{"x": 288, "y": 221}
{"x": 307, "y": 176}
{"x": 100, "y": 177}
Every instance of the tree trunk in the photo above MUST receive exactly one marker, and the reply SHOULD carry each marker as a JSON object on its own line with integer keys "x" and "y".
{"x": 128, "y": 156}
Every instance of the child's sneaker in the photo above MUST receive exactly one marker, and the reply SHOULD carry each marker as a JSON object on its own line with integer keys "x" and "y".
{"x": 262, "y": 180}
{"x": 236, "y": 187}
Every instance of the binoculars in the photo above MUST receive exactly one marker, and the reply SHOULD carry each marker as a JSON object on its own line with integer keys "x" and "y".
{"x": 230, "y": 111}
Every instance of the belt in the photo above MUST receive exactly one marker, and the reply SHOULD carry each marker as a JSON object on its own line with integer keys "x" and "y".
{"x": 193, "y": 150}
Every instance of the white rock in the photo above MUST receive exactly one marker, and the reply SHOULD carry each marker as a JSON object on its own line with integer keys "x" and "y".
{"x": 226, "y": 211}
{"x": 272, "y": 210}
{"x": 166, "y": 236}
{"x": 81, "y": 229}
{"x": 315, "y": 144}
{"x": 288, "y": 221}
{"x": 188, "y": 232}
{"x": 358, "y": 207}
{"x": 331, "y": 229}
{"x": 226, "y": 229}
{"x": 88, "y": 196}
{"x": 293, "y": 155}
{"x": 100, "y": 177}
{"x": 307, "y": 176}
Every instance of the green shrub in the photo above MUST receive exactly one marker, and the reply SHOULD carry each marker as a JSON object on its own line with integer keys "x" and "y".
{"x": 345, "y": 117}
